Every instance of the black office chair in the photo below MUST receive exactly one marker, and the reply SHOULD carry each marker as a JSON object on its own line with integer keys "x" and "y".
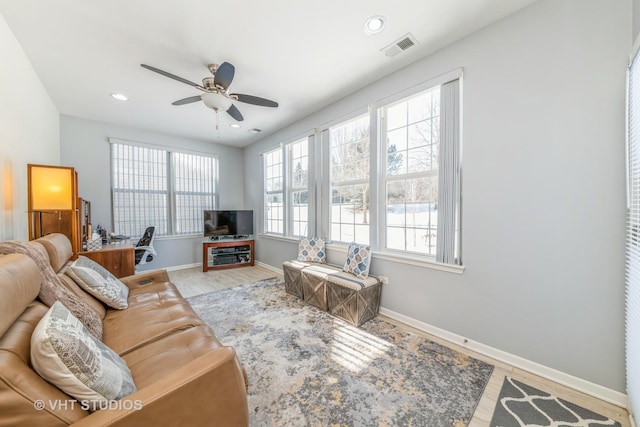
{"x": 144, "y": 248}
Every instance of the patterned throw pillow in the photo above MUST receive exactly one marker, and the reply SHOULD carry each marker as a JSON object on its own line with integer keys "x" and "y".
{"x": 67, "y": 355}
{"x": 358, "y": 260}
{"x": 312, "y": 250}
{"x": 95, "y": 279}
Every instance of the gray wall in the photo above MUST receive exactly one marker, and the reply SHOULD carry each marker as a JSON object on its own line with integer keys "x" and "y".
{"x": 83, "y": 145}
{"x": 29, "y": 133}
{"x": 636, "y": 18}
{"x": 543, "y": 189}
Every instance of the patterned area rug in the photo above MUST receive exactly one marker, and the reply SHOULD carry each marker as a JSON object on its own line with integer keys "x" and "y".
{"x": 522, "y": 405}
{"x": 308, "y": 368}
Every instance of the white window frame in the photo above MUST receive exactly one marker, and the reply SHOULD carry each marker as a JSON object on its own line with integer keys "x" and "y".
{"x": 329, "y": 183}
{"x": 292, "y": 218}
{"x": 427, "y": 174}
{"x": 168, "y": 226}
{"x": 269, "y": 167}
{"x": 200, "y": 183}
{"x": 402, "y": 256}
{"x": 287, "y": 190}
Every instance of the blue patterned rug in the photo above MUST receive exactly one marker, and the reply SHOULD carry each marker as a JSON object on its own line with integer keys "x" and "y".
{"x": 308, "y": 368}
{"x": 520, "y": 405}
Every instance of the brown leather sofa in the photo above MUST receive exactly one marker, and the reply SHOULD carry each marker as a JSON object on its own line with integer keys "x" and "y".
{"x": 183, "y": 374}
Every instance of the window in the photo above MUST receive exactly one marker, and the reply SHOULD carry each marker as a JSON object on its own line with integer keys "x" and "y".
{"x": 286, "y": 189}
{"x": 395, "y": 186}
{"x": 156, "y": 187}
{"x": 421, "y": 173}
{"x": 349, "y": 173}
{"x": 632, "y": 278}
{"x": 273, "y": 192}
{"x": 298, "y": 169}
{"x": 411, "y": 134}
{"x": 194, "y": 180}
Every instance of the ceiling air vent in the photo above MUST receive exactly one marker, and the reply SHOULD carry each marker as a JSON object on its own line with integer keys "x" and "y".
{"x": 402, "y": 44}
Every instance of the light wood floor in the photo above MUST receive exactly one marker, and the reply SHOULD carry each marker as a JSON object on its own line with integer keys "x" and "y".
{"x": 193, "y": 282}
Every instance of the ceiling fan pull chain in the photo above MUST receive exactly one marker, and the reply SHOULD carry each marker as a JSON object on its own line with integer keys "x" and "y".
{"x": 218, "y": 123}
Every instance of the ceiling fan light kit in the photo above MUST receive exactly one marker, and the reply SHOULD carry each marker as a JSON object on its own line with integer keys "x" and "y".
{"x": 216, "y": 101}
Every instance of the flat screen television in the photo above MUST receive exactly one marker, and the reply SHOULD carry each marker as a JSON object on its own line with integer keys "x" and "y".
{"x": 228, "y": 224}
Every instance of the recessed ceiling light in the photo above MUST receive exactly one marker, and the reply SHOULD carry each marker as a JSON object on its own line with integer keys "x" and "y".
{"x": 119, "y": 97}
{"x": 234, "y": 125}
{"x": 254, "y": 130}
{"x": 374, "y": 25}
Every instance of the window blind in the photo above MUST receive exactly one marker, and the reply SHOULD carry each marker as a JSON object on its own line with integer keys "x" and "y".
{"x": 632, "y": 317}
{"x": 156, "y": 187}
{"x": 449, "y": 179}
{"x": 140, "y": 193}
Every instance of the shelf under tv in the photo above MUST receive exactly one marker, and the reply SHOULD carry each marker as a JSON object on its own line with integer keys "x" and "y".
{"x": 227, "y": 253}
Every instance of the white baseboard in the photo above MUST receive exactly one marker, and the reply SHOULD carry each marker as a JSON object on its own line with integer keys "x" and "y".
{"x": 584, "y": 386}
{"x": 183, "y": 267}
{"x": 269, "y": 267}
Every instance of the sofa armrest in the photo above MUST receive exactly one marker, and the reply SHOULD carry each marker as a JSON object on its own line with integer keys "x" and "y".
{"x": 146, "y": 278}
{"x": 208, "y": 391}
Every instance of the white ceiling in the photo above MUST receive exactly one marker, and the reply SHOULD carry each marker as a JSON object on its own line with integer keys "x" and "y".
{"x": 302, "y": 54}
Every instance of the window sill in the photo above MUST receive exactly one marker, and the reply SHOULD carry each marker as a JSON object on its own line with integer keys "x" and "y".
{"x": 399, "y": 258}
{"x": 420, "y": 262}
{"x": 278, "y": 237}
{"x": 406, "y": 259}
{"x": 180, "y": 236}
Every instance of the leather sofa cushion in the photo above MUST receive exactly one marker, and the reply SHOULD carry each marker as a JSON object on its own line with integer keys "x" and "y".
{"x": 161, "y": 309}
{"x": 154, "y": 293}
{"x": 156, "y": 360}
{"x": 58, "y": 247}
{"x": 20, "y": 279}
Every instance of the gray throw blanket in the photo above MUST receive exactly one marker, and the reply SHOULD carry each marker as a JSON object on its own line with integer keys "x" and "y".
{"x": 52, "y": 289}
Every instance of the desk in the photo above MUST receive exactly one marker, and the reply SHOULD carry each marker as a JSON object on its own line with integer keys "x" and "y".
{"x": 118, "y": 258}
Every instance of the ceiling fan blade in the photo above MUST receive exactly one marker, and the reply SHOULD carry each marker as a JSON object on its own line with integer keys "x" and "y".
{"x": 255, "y": 100}
{"x": 188, "y": 100}
{"x": 224, "y": 75}
{"x": 235, "y": 113}
{"x": 171, "y": 76}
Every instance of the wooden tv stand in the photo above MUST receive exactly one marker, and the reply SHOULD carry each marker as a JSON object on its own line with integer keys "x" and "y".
{"x": 227, "y": 253}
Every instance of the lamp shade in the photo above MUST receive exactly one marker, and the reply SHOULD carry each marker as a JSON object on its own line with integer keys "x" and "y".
{"x": 51, "y": 188}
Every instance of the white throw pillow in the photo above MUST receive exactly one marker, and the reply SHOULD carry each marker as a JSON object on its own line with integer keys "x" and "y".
{"x": 67, "y": 355}
{"x": 95, "y": 279}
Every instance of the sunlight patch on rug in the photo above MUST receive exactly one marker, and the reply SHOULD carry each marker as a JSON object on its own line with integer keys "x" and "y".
{"x": 355, "y": 349}
{"x": 306, "y": 367}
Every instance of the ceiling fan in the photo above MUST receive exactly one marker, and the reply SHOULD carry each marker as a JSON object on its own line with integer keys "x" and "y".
{"x": 216, "y": 90}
